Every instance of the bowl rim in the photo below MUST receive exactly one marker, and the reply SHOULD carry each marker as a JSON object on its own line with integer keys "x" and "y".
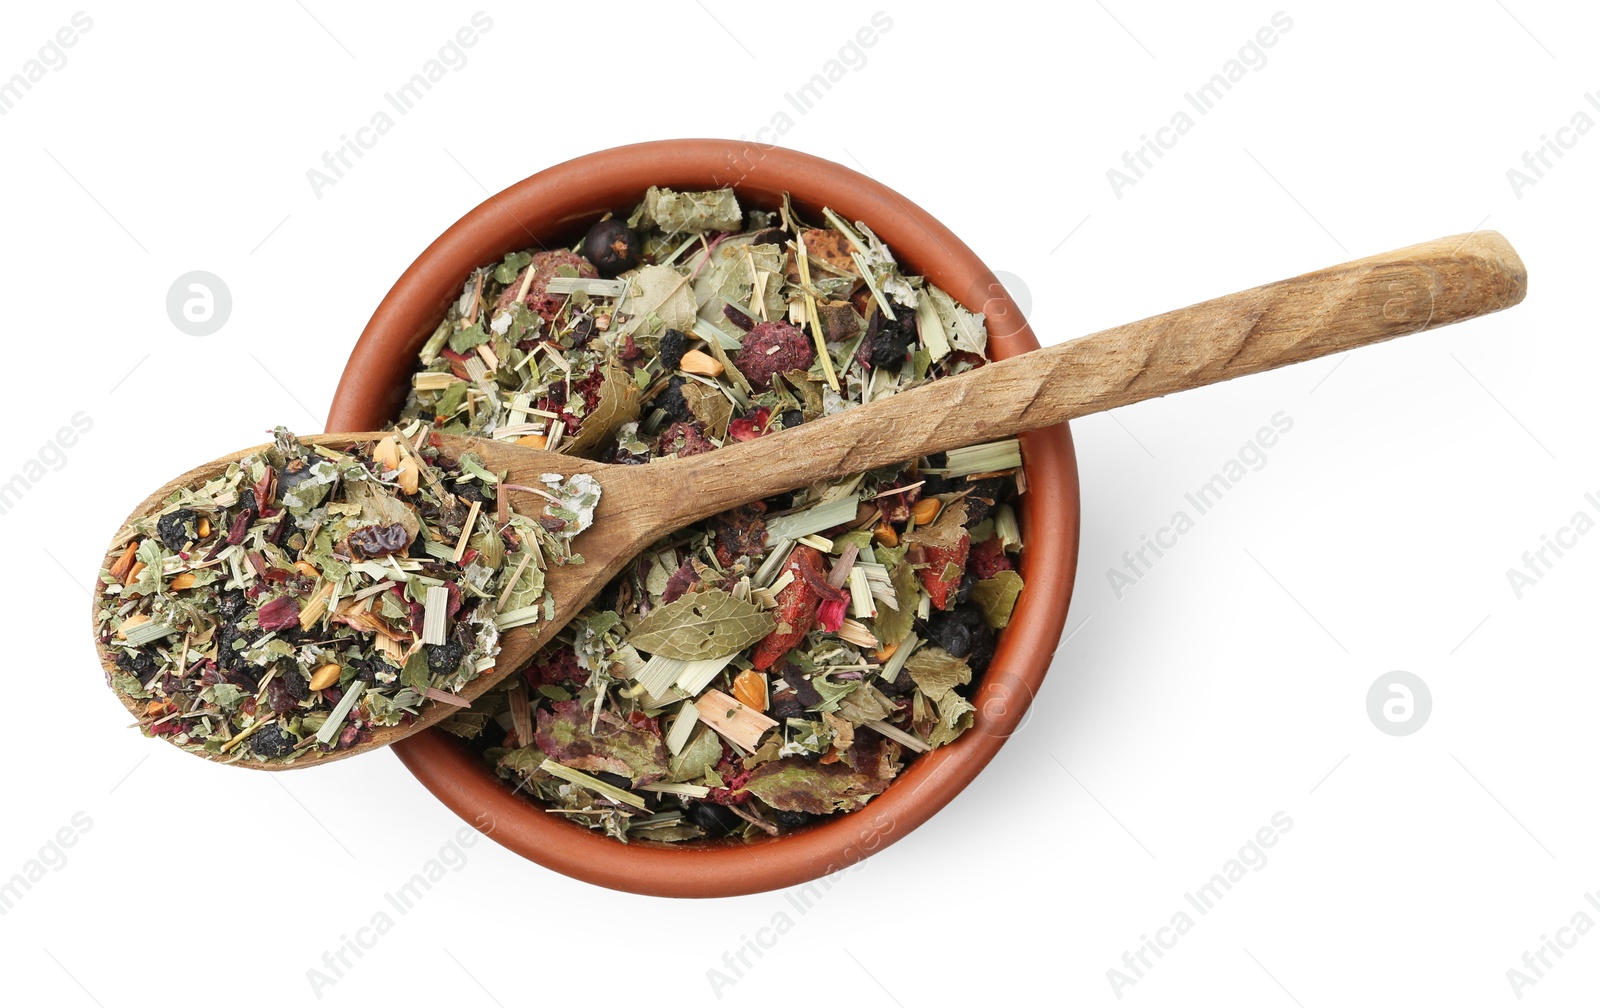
{"x": 557, "y": 203}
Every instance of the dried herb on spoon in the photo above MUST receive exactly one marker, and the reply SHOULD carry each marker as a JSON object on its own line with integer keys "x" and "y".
{"x": 308, "y": 594}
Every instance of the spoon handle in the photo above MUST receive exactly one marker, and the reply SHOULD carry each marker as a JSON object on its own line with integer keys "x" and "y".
{"x": 1325, "y": 312}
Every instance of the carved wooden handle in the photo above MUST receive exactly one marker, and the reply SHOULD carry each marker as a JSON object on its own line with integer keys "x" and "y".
{"x": 1325, "y": 312}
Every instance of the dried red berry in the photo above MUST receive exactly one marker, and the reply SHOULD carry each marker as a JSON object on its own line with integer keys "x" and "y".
{"x": 544, "y": 266}
{"x": 988, "y": 559}
{"x": 773, "y": 348}
{"x": 379, "y": 540}
{"x": 942, "y": 570}
{"x": 797, "y": 608}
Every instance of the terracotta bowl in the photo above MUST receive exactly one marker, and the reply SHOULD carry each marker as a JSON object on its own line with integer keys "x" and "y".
{"x": 554, "y": 208}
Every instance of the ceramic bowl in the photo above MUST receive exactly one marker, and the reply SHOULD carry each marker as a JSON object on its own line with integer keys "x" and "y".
{"x": 554, "y": 208}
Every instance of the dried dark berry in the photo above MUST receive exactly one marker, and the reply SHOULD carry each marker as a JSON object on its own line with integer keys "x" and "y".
{"x": 469, "y": 489}
{"x": 791, "y": 820}
{"x": 964, "y": 589}
{"x": 671, "y": 399}
{"x": 140, "y": 663}
{"x": 232, "y": 605}
{"x": 964, "y": 626}
{"x": 673, "y": 344}
{"x": 791, "y": 418}
{"x": 902, "y": 686}
{"x": 950, "y": 632}
{"x": 295, "y": 683}
{"x": 612, "y": 247}
{"x": 983, "y": 642}
{"x": 888, "y": 340}
{"x": 177, "y": 529}
{"x": 803, "y": 689}
{"x": 771, "y": 236}
{"x": 291, "y": 476}
{"x": 715, "y": 819}
{"x": 278, "y": 697}
{"x": 367, "y": 669}
{"x": 986, "y": 493}
{"x": 614, "y": 779}
{"x": 738, "y": 317}
{"x": 934, "y": 484}
{"x": 582, "y": 331}
{"x": 272, "y": 741}
{"x": 379, "y": 540}
{"x": 785, "y": 704}
{"x": 445, "y": 658}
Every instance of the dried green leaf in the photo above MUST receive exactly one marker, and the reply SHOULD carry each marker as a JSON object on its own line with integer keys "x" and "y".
{"x": 955, "y": 717}
{"x": 892, "y": 625}
{"x": 699, "y": 755}
{"x": 796, "y": 784}
{"x": 614, "y": 747}
{"x": 701, "y": 625}
{"x": 937, "y": 672}
{"x": 710, "y": 407}
{"x": 661, "y": 298}
{"x": 864, "y": 704}
{"x": 618, "y": 404}
{"x": 689, "y": 212}
{"x": 965, "y": 330}
{"x": 997, "y": 596}
{"x": 946, "y": 530}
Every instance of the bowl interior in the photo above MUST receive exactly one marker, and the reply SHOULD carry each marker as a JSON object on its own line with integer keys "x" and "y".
{"x": 552, "y": 209}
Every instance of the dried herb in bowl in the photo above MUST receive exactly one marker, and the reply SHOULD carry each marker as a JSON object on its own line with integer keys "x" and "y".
{"x": 308, "y": 594}
{"x": 781, "y": 661}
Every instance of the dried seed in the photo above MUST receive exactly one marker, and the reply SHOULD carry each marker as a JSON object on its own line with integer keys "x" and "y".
{"x": 325, "y": 676}
{"x": 133, "y": 573}
{"x": 125, "y": 562}
{"x": 182, "y": 581}
{"x": 533, "y": 441}
{"x": 202, "y": 528}
{"x": 750, "y": 689}
{"x": 885, "y": 535}
{"x": 307, "y": 569}
{"x": 700, "y": 363}
{"x": 925, "y": 510}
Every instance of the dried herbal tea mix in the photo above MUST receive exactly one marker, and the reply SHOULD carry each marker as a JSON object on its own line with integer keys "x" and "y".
{"x": 308, "y": 593}
{"x": 786, "y": 659}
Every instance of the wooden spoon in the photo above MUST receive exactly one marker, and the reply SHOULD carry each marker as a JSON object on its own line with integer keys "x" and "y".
{"x": 1325, "y": 312}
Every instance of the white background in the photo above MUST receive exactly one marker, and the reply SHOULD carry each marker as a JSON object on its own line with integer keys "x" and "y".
{"x": 1228, "y": 685}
